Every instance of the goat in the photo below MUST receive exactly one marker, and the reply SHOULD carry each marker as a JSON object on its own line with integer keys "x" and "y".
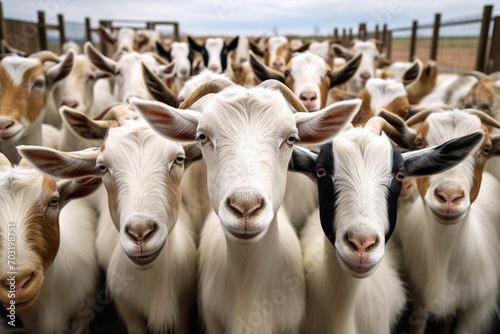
{"x": 25, "y": 86}
{"x": 247, "y": 257}
{"x": 453, "y": 233}
{"x": 156, "y": 247}
{"x": 215, "y": 53}
{"x": 359, "y": 177}
{"x": 366, "y": 69}
{"x": 124, "y": 40}
{"x": 54, "y": 249}
{"x": 277, "y": 53}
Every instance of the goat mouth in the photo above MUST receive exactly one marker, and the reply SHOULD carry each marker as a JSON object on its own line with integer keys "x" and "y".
{"x": 358, "y": 270}
{"x": 9, "y": 135}
{"x": 244, "y": 234}
{"x": 24, "y": 305}
{"x": 143, "y": 260}
{"x": 447, "y": 218}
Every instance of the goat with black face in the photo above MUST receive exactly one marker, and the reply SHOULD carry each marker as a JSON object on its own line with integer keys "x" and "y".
{"x": 359, "y": 176}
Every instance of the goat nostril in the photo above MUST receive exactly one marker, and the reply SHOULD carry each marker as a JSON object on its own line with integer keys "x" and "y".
{"x": 6, "y": 125}
{"x": 71, "y": 104}
{"x": 141, "y": 233}
{"x": 362, "y": 244}
{"x": 448, "y": 197}
{"x": 245, "y": 208}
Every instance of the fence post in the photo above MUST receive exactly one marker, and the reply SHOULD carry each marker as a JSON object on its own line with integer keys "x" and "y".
{"x": 483, "y": 38}
{"x": 62, "y": 31}
{"x": 104, "y": 48}
{"x": 413, "y": 41}
{"x": 384, "y": 37}
{"x": 350, "y": 34}
{"x": 494, "y": 58}
{"x": 150, "y": 25}
{"x": 42, "y": 31}
{"x": 3, "y": 30}
{"x": 336, "y": 33}
{"x": 344, "y": 37}
{"x": 435, "y": 36}
{"x": 388, "y": 44}
{"x": 176, "y": 32}
{"x": 362, "y": 31}
{"x": 88, "y": 30}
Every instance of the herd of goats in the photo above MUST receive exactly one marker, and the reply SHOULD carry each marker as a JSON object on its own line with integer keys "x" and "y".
{"x": 246, "y": 185}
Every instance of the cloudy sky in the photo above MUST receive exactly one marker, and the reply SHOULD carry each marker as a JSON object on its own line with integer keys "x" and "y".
{"x": 252, "y": 17}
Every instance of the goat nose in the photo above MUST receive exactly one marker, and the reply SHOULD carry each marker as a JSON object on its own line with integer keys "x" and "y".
{"x": 243, "y": 59}
{"x": 448, "y": 196}
{"x": 365, "y": 75}
{"x": 4, "y": 125}
{"x": 71, "y": 104}
{"x": 139, "y": 233}
{"x": 362, "y": 244}
{"x": 20, "y": 282}
{"x": 183, "y": 71}
{"x": 214, "y": 68}
{"x": 244, "y": 206}
{"x": 309, "y": 96}
{"x": 277, "y": 64}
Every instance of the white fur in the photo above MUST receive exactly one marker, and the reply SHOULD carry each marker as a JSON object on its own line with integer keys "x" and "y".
{"x": 368, "y": 62}
{"x": 16, "y": 67}
{"x": 242, "y": 51}
{"x": 274, "y": 43}
{"x": 214, "y": 48}
{"x": 383, "y": 92}
{"x": 449, "y": 91}
{"x": 179, "y": 52}
{"x": 321, "y": 49}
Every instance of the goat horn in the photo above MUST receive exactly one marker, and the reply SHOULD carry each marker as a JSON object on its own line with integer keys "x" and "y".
{"x": 477, "y": 74}
{"x": 377, "y": 124}
{"x": 159, "y": 59}
{"x": 117, "y": 112}
{"x": 214, "y": 86}
{"x": 421, "y": 116}
{"x": 289, "y": 96}
{"x": 45, "y": 56}
{"x": 485, "y": 118}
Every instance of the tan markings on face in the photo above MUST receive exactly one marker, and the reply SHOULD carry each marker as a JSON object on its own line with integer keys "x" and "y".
{"x": 423, "y": 86}
{"x": 43, "y": 224}
{"x": 480, "y": 160}
{"x": 173, "y": 186}
{"x": 324, "y": 87}
{"x": 19, "y": 102}
{"x": 365, "y": 113}
{"x": 283, "y": 51}
{"x": 266, "y": 54}
{"x": 400, "y": 106}
{"x": 289, "y": 81}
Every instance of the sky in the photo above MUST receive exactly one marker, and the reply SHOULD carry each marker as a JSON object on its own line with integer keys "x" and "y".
{"x": 252, "y": 17}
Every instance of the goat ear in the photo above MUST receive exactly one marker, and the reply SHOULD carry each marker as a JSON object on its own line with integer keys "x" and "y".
{"x": 163, "y": 52}
{"x": 263, "y": 72}
{"x": 256, "y": 49}
{"x": 303, "y": 161}
{"x": 302, "y": 48}
{"x": 341, "y": 95}
{"x": 99, "y": 60}
{"x": 342, "y": 52}
{"x": 72, "y": 189}
{"x": 408, "y": 135}
{"x": 107, "y": 34}
{"x": 84, "y": 127}
{"x": 233, "y": 44}
{"x": 198, "y": 66}
{"x": 439, "y": 158}
{"x": 157, "y": 88}
{"x": 61, "y": 70}
{"x": 193, "y": 153}
{"x": 170, "y": 122}
{"x": 195, "y": 46}
{"x": 346, "y": 72}
{"x": 167, "y": 71}
{"x": 67, "y": 165}
{"x": 320, "y": 126}
{"x": 413, "y": 73}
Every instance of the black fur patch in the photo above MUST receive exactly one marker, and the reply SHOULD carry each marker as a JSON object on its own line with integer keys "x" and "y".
{"x": 394, "y": 191}
{"x": 326, "y": 191}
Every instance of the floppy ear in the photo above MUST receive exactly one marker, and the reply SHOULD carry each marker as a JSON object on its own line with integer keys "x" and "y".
{"x": 157, "y": 88}
{"x": 195, "y": 46}
{"x": 66, "y": 165}
{"x": 233, "y": 44}
{"x": 256, "y": 49}
{"x": 77, "y": 188}
{"x": 408, "y": 135}
{"x": 346, "y": 72}
{"x": 83, "y": 126}
{"x": 413, "y": 73}
{"x": 303, "y": 48}
{"x": 106, "y": 34}
{"x": 99, "y": 60}
{"x": 193, "y": 153}
{"x": 439, "y": 158}
{"x": 320, "y": 126}
{"x": 173, "y": 123}
{"x": 263, "y": 72}
{"x": 341, "y": 95}
{"x": 161, "y": 50}
{"x": 342, "y": 52}
{"x": 61, "y": 70}
{"x": 303, "y": 161}
{"x": 167, "y": 71}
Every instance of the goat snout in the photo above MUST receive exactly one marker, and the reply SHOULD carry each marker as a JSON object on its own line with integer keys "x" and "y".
{"x": 278, "y": 64}
{"x": 449, "y": 197}
{"x": 245, "y": 206}
{"x": 365, "y": 75}
{"x": 71, "y": 104}
{"x": 362, "y": 244}
{"x": 140, "y": 233}
{"x": 214, "y": 68}
{"x": 20, "y": 282}
{"x": 6, "y": 124}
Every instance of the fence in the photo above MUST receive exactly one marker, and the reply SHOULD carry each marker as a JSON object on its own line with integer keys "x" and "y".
{"x": 470, "y": 43}
{"x": 41, "y": 35}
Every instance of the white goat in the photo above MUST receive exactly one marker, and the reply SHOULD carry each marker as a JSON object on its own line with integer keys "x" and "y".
{"x": 251, "y": 277}
{"x": 54, "y": 249}
{"x": 156, "y": 249}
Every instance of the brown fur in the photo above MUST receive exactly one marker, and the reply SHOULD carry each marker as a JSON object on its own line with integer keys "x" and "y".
{"x": 400, "y": 106}
{"x": 365, "y": 113}
{"x": 425, "y": 84}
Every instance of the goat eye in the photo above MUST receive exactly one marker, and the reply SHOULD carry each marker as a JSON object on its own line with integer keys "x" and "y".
{"x": 54, "y": 201}
{"x": 118, "y": 72}
{"x": 487, "y": 150}
{"x": 320, "y": 172}
{"x": 287, "y": 73}
{"x": 179, "y": 160}
{"x": 419, "y": 143}
{"x": 203, "y": 138}
{"x": 400, "y": 176}
{"x": 39, "y": 83}
{"x": 102, "y": 168}
{"x": 290, "y": 140}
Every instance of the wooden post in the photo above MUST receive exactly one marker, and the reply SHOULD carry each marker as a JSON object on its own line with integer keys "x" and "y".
{"x": 344, "y": 36}
{"x": 3, "y": 30}
{"x": 176, "y": 32}
{"x": 483, "y": 38}
{"x": 362, "y": 31}
{"x": 42, "y": 31}
{"x": 62, "y": 31}
{"x": 435, "y": 36}
{"x": 384, "y": 37}
{"x": 388, "y": 47}
{"x": 350, "y": 35}
{"x": 150, "y": 25}
{"x": 104, "y": 47}
{"x": 413, "y": 41}
{"x": 494, "y": 58}
{"x": 88, "y": 30}
{"x": 377, "y": 33}
{"x": 336, "y": 33}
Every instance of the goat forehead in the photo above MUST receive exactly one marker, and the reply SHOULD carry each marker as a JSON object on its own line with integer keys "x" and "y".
{"x": 383, "y": 92}
{"x": 399, "y": 68}
{"x": 318, "y": 48}
{"x": 275, "y": 42}
{"x": 447, "y": 125}
{"x": 214, "y": 45}
{"x": 17, "y": 66}
{"x": 179, "y": 49}
{"x": 308, "y": 64}
{"x": 365, "y": 47}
